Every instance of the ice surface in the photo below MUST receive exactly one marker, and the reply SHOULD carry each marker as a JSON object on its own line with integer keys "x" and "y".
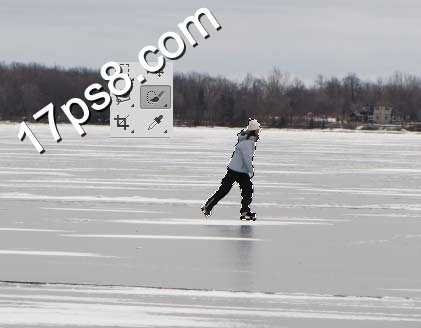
{"x": 47, "y": 253}
{"x": 57, "y": 305}
{"x": 339, "y": 214}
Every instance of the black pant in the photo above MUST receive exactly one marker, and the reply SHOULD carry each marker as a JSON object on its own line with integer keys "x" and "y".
{"x": 246, "y": 187}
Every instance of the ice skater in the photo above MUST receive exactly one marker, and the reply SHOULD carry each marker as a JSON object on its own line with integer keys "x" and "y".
{"x": 240, "y": 169}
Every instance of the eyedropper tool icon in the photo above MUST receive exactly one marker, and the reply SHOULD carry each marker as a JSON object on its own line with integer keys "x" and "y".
{"x": 155, "y": 122}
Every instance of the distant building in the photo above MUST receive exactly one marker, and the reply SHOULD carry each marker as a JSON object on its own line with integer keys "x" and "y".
{"x": 377, "y": 114}
{"x": 383, "y": 115}
{"x": 363, "y": 115}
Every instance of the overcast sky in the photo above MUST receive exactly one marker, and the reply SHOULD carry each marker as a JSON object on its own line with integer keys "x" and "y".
{"x": 373, "y": 38}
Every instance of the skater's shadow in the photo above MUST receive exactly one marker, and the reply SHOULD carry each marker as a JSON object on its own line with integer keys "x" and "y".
{"x": 246, "y": 231}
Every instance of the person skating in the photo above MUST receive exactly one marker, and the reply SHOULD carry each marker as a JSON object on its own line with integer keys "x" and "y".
{"x": 240, "y": 169}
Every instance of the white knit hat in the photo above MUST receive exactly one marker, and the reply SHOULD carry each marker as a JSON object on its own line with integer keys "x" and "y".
{"x": 253, "y": 125}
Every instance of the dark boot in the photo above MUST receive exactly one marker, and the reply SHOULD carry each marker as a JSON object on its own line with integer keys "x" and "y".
{"x": 205, "y": 211}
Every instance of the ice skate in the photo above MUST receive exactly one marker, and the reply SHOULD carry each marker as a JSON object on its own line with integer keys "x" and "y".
{"x": 248, "y": 216}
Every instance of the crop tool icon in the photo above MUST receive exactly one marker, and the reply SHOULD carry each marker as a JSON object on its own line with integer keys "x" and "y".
{"x": 122, "y": 122}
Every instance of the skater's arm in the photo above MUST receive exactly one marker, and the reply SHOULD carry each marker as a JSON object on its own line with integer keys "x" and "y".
{"x": 247, "y": 152}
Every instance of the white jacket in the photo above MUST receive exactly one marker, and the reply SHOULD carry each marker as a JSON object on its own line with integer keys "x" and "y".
{"x": 242, "y": 157}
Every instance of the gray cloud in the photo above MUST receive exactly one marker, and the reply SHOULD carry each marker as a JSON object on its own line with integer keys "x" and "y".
{"x": 372, "y": 37}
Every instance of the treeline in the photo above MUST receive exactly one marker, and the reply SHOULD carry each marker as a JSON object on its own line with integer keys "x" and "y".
{"x": 26, "y": 88}
{"x": 281, "y": 101}
{"x": 277, "y": 100}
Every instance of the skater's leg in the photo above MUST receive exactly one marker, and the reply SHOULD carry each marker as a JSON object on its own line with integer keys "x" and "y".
{"x": 246, "y": 192}
{"x": 224, "y": 189}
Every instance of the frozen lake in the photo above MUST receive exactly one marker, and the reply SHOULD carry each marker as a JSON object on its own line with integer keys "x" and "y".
{"x": 337, "y": 241}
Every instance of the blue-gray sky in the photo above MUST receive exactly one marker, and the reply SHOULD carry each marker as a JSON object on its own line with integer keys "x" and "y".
{"x": 373, "y": 38}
